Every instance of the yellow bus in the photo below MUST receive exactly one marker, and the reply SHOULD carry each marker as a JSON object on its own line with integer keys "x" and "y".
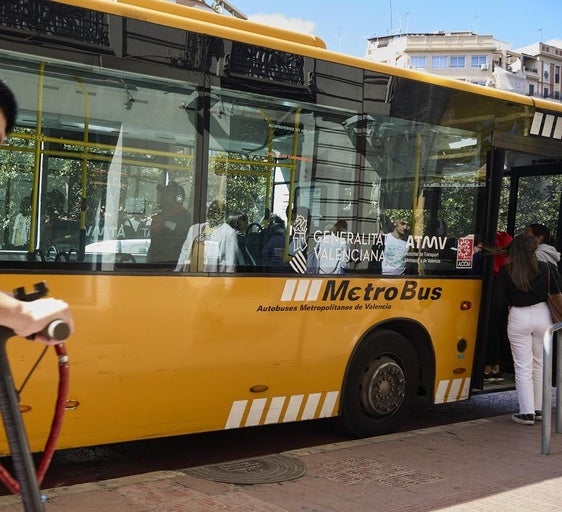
{"x": 251, "y": 229}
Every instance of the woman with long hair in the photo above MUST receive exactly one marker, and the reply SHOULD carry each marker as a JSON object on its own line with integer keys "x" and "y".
{"x": 523, "y": 285}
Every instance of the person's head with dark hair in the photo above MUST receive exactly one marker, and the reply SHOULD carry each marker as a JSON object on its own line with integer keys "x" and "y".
{"x": 400, "y": 229}
{"x": 302, "y": 213}
{"x": 547, "y": 248}
{"x": 55, "y": 202}
{"x": 275, "y": 220}
{"x": 8, "y": 111}
{"x": 25, "y": 205}
{"x": 171, "y": 196}
{"x": 238, "y": 221}
{"x": 540, "y": 232}
{"x": 339, "y": 227}
{"x": 522, "y": 264}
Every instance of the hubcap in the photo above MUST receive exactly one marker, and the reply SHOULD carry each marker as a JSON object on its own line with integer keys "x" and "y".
{"x": 383, "y": 387}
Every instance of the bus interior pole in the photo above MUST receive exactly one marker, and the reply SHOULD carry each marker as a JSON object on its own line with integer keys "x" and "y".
{"x": 22, "y": 460}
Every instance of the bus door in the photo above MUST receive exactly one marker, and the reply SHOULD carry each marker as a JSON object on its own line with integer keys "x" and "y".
{"x": 530, "y": 191}
{"x": 533, "y": 195}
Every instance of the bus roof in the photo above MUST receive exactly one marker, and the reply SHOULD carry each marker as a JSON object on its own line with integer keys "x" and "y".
{"x": 165, "y": 13}
{"x": 140, "y": 9}
{"x": 226, "y": 21}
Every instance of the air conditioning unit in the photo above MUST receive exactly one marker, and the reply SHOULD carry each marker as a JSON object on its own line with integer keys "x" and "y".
{"x": 484, "y": 67}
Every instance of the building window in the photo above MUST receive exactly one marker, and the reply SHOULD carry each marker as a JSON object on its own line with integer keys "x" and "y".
{"x": 477, "y": 61}
{"x": 531, "y": 90}
{"x": 438, "y": 62}
{"x": 546, "y": 93}
{"x": 457, "y": 61}
{"x": 418, "y": 62}
{"x": 556, "y": 74}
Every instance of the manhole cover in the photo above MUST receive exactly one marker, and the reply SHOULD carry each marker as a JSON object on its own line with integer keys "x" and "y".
{"x": 260, "y": 470}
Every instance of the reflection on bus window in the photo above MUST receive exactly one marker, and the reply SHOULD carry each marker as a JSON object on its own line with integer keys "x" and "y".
{"x": 168, "y": 227}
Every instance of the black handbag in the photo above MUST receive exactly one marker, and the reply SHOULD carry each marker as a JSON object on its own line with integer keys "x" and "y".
{"x": 554, "y": 300}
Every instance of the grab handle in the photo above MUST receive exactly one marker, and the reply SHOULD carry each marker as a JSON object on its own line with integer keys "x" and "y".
{"x": 57, "y": 330}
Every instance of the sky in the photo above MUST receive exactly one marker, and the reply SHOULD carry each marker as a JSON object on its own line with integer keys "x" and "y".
{"x": 346, "y": 25}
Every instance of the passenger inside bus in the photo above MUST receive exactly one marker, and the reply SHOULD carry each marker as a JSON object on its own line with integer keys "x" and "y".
{"x": 21, "y": 224}
{"x": 210, "y": 246}
{"x": 331, "y": 253}
{"x": 273, "y": 246}
{"x": 59, "y": 231}
{"x": 497, "y": 343}
{"x": 239, "y": 222}
{"x": 169, "y": 226}
{"x": 392, "y": 251}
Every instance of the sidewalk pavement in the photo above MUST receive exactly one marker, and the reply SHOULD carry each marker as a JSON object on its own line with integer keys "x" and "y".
{"x": 488, "y": 464}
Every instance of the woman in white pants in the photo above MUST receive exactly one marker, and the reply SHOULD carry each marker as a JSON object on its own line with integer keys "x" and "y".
{"x": 522, "y": 284}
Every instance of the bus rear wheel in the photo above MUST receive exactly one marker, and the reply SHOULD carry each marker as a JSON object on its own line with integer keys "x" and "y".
{"x": 380, "y": 385}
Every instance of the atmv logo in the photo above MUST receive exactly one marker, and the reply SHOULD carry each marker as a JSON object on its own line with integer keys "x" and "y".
{"x": 335, "y": 290}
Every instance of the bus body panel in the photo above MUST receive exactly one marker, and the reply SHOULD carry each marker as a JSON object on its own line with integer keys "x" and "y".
{"x": 172, "y": 354}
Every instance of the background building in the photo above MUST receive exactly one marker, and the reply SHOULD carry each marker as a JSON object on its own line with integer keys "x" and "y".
{"x": 541, "y": 65}
{"x": 533, "y": 70}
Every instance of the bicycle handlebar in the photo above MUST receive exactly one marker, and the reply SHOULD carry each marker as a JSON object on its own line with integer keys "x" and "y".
{"x": 57, "y": 330}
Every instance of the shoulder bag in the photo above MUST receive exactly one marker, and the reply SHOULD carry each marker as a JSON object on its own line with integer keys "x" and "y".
{"x": 554, "y": 299}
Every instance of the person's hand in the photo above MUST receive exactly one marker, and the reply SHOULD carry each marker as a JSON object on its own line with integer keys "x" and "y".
{"x": 38, "y": 314}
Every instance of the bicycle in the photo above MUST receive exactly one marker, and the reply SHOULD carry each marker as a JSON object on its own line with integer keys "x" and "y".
{"x": 28, "y": 480}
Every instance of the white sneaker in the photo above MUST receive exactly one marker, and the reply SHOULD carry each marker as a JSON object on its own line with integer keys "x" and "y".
{"x": 523, "y": 419}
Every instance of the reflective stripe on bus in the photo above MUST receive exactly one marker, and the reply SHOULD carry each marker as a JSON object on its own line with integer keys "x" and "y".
{"x": 281, "y": 409}
{"x": 547, "y": 125}
{"x": 452, "y": 390}
{"x": 301, "y": 289}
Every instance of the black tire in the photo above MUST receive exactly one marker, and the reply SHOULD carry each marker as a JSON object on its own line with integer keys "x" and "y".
{"x": 380, "y": 385}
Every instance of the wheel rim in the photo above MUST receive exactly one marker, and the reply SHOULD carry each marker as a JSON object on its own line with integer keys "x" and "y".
{"x": 383, "y": 387}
